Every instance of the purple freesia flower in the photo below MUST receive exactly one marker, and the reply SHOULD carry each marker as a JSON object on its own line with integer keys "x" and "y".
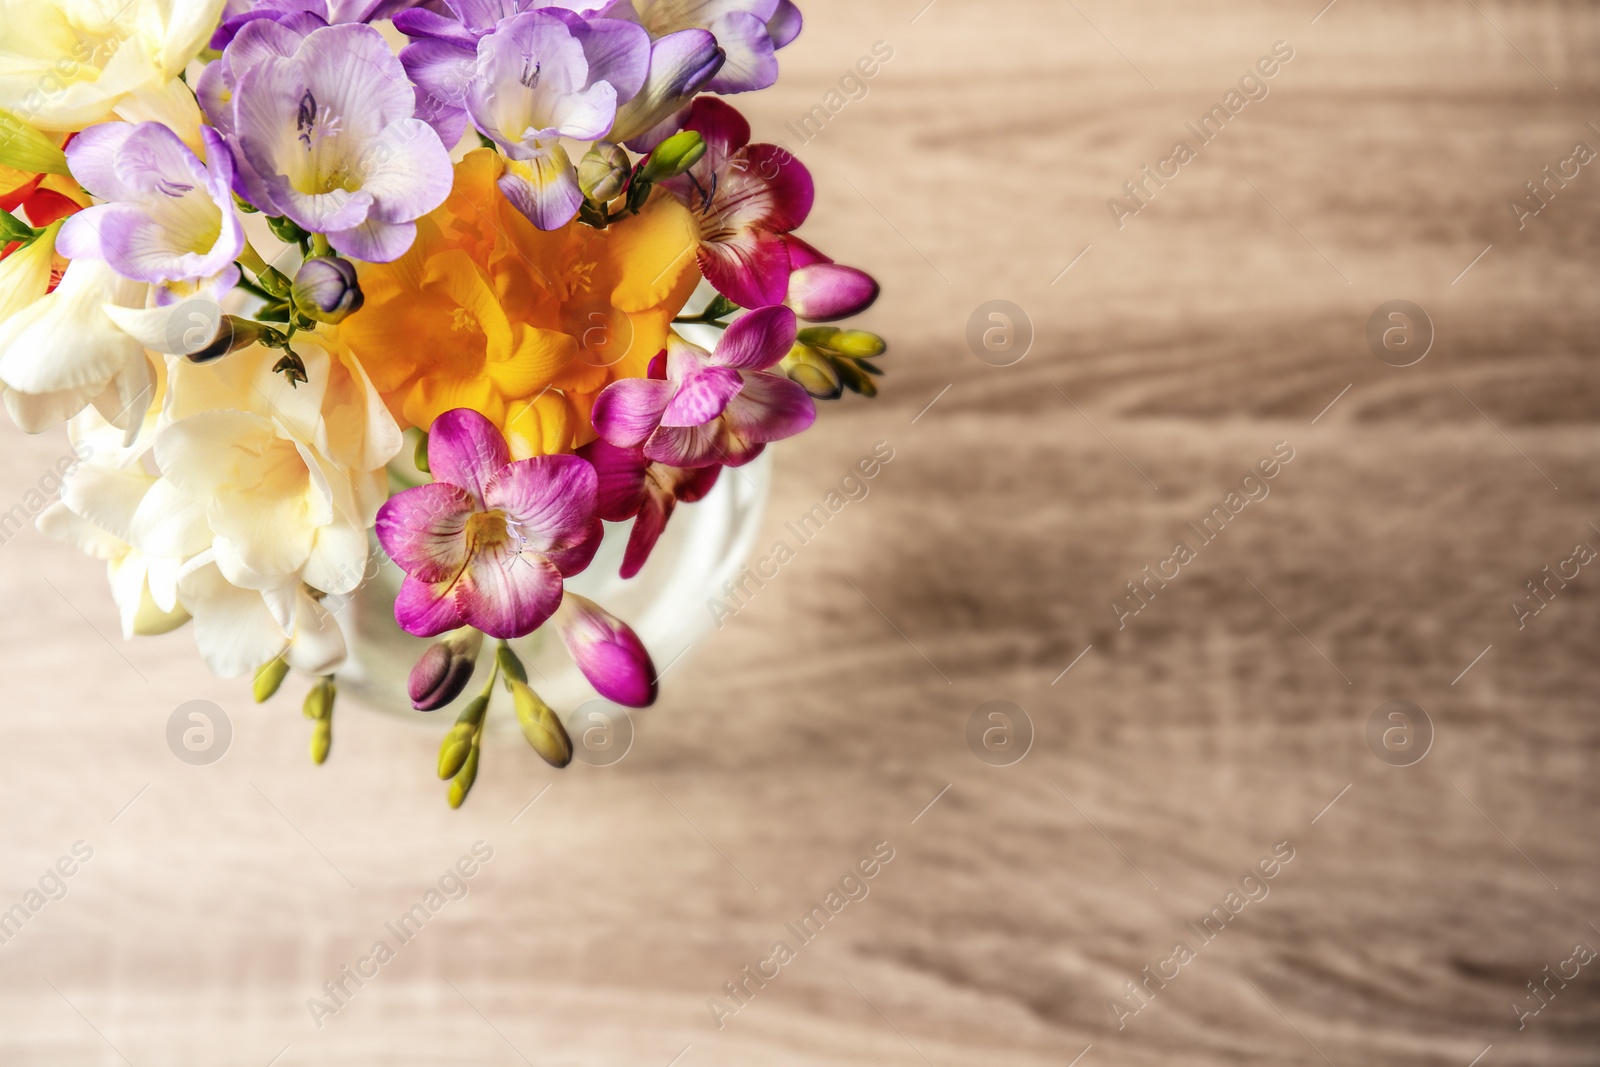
{"x": 167, "y": 218}
{"x": 331, "y": 141}
{"x": 488, "y": 542}
{"x": 634, "y": 486}
{"x": 706, "y": 408}
{"x": 240, "y": 13}
{"x": 544, "y": 75}
{"x": 749, "y": 32}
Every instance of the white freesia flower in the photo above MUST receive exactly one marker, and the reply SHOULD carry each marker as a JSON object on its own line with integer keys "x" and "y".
{"x": 101, "y": 499}
{"x": 67, "y": 64}
{"x": 237, "y": 630}
{"x": 62, "y": 352}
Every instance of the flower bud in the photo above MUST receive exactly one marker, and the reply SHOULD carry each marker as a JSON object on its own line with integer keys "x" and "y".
{"x": 673, "y": 156}
{"x": 268, "y": 678}
{"x": 680, "y": 65}
{"x": 319, "y": 702}
{"x": 461, "y": 784}
{"x": 510, "y": 663}
{"x": 455, "y": 748}
{"x": 607, "y": 651}
{"x": 321, "y": 740}
{"x": 541, "y": 726}
{"x": 604, "y": 171}
{"x": 813, "y": 372}
{"x": 444, "y": 670}
{"x": 823, "y": 292}
{"x": 24, "y": 148}
{"x": 852, "y": 344}
{"x": 325, "y": 288}
{"x": 233, "y": 333}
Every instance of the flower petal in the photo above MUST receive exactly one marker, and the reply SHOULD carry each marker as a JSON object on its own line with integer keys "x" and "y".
{"x": 465, "y": 449}
{"x": 544, "y": 188}
{"x": 424, "y": 610}
{"x": 576, "y": 560}
{"x": 688, "y": 446}
{"x": 548, "y": 500}
{"x": 424, "y": 530}
{"x": 620, "y": 474}
{"x": 758, "y": 340}
{"x": 508, "y": 595}
{"x": 628, "y": 411}
{"x": 743, "y": 37}
{"x": 769, "y": 408}
{"x": 750, "y": 267}
{"x": 702, "y": 396}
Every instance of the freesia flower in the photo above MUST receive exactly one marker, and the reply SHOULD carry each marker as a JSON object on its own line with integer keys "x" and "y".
{"x": 488, "y": 542}
{"x": 168, "y": 218}
{"x": 681, "y": 64}
{"x": 68, "y": 64}
{"x": 101, "y": 498}
{"x": 62, "y": 351}
{"x": 237, "y": 629}
{"x": 240, "y": 13}
{"x": 633, "y": 486}
{"x": 745, "y": 198}
{"x": 607, "y": 651}
{"x": 747, "y": 31}
{"x": 523, "y": 326}
{"x": 544, "y": 75}
{"x": 332, "y": 143}
{"x": 708, "y": 408}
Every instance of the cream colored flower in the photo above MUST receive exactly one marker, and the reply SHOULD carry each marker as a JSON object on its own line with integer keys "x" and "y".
{"x": 61, "y": 352}
{"x": 68, "y": 64}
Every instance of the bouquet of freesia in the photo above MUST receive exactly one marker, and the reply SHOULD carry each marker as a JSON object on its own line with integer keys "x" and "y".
{"x": 295, "y": 271}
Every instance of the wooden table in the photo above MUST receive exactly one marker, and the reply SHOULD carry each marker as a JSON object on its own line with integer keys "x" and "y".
{"x": 1170, "y": 755}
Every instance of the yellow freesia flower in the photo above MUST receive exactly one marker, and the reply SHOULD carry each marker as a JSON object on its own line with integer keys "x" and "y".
{"x": 523, "y": 325}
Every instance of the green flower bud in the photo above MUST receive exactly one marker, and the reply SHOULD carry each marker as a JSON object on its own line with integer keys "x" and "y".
{"x": 813, "y": 372}
{"x": 321, "y": 741}
{"x": 673, "y": 156}
{"x": 287, "y": 230}
{"x": 461, "y": 784}
{"x": 319, "y": 702}
{"x": 541, "y": 726}
{"x": 604, "y": 171}
{"x": 854, "y": 344}
{"x": 268, "y": 678}
{"x": 510, "y": 665}
{"x": 455, "y": 749}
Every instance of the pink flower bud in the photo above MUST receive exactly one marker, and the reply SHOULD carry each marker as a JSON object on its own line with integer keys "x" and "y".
{"x": 607, "y": 651}
{"x": 444, "y": 669}
{"x": 822, "y": 292}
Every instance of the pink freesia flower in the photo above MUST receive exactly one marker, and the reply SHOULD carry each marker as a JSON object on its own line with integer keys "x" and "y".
{"x": 634, "y": 486}
{"x": 607, "y": 651}
{"x": 698, "y": 408}
{"x": 488, "y": 543}
{"x": 744, "y": 197}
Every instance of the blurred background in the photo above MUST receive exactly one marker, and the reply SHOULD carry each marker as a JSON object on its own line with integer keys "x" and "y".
{"x": 1438, "y": 905}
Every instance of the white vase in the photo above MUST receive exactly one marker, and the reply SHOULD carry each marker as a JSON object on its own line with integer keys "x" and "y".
{"x": 667, "y": 603}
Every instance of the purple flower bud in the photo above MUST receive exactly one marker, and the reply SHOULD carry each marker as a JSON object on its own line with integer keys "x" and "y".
{"x": 444, "y": 669}
{"x": 326, "y": 289}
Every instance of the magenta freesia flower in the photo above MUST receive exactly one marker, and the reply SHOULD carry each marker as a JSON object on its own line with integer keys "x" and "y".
{"x": 488, "y": 542}
{"x": 745, "y": 197}
{"x": 634, "y": 486}
{"x": 698, "y": 408}
{"x": 330, "y": 138}
{"x": 167, "y": 218}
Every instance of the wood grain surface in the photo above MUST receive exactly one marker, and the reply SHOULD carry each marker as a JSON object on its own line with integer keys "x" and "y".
{"x": 831, "y": 714}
